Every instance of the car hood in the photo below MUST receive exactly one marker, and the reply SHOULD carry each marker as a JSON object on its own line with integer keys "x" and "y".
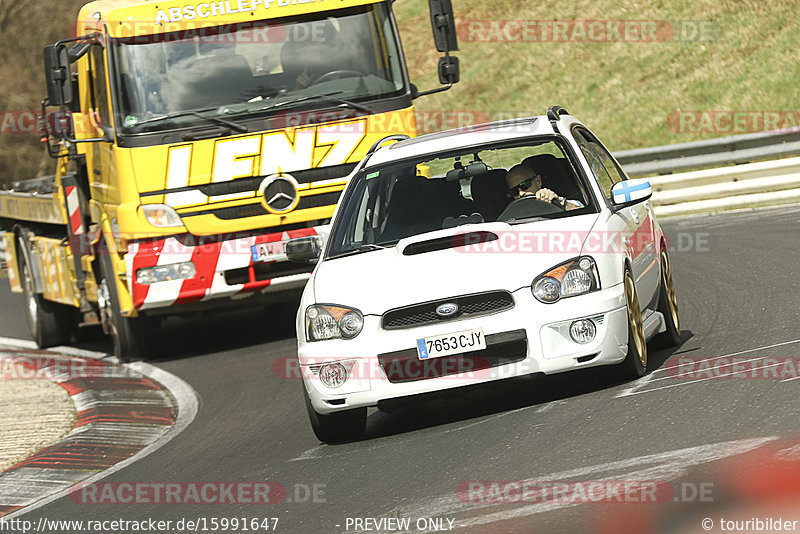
{"x": 380, "y": 280}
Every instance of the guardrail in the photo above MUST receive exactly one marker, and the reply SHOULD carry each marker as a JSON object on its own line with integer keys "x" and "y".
{"x": 745, "y": 180}
{"x": 731, "y": 150}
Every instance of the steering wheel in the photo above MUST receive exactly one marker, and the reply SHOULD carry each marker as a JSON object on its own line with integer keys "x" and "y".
{"x": 528, "y": 206}
{"x": 337, "y": 74}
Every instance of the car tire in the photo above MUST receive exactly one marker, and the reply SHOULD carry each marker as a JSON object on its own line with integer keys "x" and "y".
{"x": 635, "y": 363}
{"x": 346, "y": 425}
{"x": 50, "y": 323}
{"x": 130, "y": 335}
{"x": 668, "y": 306}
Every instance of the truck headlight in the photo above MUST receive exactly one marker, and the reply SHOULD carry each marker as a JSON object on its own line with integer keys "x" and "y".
{"x": 166, "y": 273}
{"x": 161, "y": 216}
{"x": 332, "y": 322}
{"x": 574, "y": 277}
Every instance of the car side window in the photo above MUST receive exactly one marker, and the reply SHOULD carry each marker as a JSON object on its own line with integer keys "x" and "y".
{"x": 600, "y": 161}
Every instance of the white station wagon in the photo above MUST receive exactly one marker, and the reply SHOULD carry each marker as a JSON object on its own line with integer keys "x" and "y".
{"x": 479, "y": 254}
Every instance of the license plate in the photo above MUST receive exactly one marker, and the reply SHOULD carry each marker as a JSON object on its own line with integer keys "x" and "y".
{"x": 448, "y": 344}
{"x": 264, "y": 252}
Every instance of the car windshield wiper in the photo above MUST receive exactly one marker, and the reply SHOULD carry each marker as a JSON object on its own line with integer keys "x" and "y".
{"x": 368, "y": 247}
{"x": 525, "y": 220}
{"x": 197, "y": 113}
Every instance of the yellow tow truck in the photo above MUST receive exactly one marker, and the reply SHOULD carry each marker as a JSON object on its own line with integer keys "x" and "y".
{"x": 192, "y": 141}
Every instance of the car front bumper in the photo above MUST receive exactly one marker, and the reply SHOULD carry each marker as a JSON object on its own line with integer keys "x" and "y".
{"x": 530, "y": 338}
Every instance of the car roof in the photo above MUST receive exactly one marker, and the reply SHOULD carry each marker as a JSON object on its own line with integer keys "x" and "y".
{"x": 465, "y": 137}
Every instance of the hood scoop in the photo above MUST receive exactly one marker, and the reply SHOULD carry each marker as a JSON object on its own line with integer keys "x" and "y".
{"x": 450, "y": 241}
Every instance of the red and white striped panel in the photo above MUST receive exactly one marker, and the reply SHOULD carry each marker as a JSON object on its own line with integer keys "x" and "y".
{"x": 211, "y": 261}
{"x": 74, "y": 210}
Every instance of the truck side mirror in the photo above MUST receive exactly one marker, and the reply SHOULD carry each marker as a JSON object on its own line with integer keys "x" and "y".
{"x": 449, "y": 71}
{"x": 58, "y": 76}
{"x": 444, "y": 25}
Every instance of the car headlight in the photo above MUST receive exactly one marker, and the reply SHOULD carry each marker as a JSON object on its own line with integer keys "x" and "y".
{"x": 332, "y": 322}
{"x": 574, "y": 277}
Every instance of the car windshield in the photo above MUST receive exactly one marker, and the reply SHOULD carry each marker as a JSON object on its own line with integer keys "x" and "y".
{"x": 335, "y": 59}
{"x": 390, "y": 203}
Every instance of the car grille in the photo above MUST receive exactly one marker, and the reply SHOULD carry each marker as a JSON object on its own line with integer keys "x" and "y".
{"x": 469, "y": 306}
{"x": 501, "y": 349}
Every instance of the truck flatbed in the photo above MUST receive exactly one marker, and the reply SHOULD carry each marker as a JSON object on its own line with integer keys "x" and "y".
{"x": 33, "y": 201}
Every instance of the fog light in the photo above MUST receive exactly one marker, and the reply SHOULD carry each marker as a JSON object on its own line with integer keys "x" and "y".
{"x": 582, "y": 331}
{"x": 333, "y": 375}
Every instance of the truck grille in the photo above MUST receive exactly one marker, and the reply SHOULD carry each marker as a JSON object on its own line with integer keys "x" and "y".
{"x": 242, "y": 185}
{"x": 264, "y": 271}
{"x": 501, "y": 349}
{"x": 254, "y": 210}
{"x": 469, "y": 306}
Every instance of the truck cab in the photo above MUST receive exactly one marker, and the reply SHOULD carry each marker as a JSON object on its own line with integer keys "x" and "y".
{"x": 193, "y": 140}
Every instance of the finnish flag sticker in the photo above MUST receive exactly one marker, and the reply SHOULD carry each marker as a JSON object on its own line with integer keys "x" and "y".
{"x": 631, "y": 190}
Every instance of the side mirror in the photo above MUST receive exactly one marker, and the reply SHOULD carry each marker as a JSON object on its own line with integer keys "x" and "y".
{"x": 58, "y": 76}
{"x": 449, "y": 71}
{"x": 59, "y": 124}
{"x": 444, "y": 25}
{"x": 630, "y": 192}
{"x": 304, "y": 249}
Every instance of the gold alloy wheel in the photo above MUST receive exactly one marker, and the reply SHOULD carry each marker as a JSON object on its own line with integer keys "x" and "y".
{"x": 672, "y": 299}
{"x": 635, "y": 319}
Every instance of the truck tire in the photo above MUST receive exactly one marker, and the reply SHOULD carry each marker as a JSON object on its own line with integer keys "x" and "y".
{"x": 50, "y": 323}
{"x": 130, "y": 335}
{"x": 335, "y": 427}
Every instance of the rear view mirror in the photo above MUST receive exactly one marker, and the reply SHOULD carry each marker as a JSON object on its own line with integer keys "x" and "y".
{"x": 304, "y": 249}
{"x": 58, "y": 76}
{"x": 444, "y": 27}
{"x": 630, "y": 192}
{"x": 470, "y": 171}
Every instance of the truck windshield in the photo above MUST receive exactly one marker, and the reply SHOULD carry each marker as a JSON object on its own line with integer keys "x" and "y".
{"x": 340, "y": 58}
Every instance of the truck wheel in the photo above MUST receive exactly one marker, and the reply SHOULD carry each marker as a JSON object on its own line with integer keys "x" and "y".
{"x": 50, "y": 323}
{"x": 668, "y": 306}
{"x": 340, "y": 426}
{"x": 635, "y": 363}
{"x": 130, "y": 335}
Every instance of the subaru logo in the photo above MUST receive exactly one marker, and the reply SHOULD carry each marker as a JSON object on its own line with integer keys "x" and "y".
{"x": 279, "y": 194}
{"x": 447, "y": 310}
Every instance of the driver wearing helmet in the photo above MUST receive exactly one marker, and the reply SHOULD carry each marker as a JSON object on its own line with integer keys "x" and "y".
{"x": 523, "y": 180}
